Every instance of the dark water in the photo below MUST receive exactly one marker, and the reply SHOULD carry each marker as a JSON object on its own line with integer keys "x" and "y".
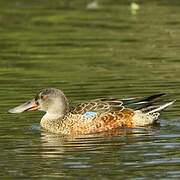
{"x": 88, "y": 52}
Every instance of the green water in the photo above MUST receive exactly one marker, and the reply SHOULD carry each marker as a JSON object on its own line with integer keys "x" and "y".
{"x": 88, "y": 53}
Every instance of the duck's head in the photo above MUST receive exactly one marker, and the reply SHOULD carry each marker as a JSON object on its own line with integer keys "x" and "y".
{"x": 50, "y": 100}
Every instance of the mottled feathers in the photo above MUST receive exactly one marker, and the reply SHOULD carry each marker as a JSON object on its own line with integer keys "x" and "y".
{"x": 105, "y": 114}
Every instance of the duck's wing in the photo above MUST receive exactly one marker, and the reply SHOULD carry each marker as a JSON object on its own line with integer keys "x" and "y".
{"x": 97, "y": 105}
{"x": 111, "y": 104}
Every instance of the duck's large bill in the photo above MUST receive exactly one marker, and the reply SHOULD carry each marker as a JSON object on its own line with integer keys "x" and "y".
{"x": 28, "y": 106}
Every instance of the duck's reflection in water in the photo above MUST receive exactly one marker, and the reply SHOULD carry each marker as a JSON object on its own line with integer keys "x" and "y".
{"x": 56, "y": 145}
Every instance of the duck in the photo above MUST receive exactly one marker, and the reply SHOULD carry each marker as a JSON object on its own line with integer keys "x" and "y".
{"x": 94, "y": 116}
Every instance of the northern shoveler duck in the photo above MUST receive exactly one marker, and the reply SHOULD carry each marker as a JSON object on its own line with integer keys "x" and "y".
{"x": 94, "y": 116}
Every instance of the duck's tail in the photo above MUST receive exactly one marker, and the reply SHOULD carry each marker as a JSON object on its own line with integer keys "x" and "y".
{"x": 155, "y": 109}
{"x": 149, "y": 115}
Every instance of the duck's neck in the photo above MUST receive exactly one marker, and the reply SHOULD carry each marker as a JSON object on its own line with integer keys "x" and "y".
{"x": 53, "y": 116}
{"x": 58, "y": 109}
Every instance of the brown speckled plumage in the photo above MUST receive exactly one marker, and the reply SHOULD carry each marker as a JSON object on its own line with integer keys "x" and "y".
{"x": 77, "y": 124}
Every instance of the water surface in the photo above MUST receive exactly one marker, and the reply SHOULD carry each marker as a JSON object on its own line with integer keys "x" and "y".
{"x": 88, "y": 53}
